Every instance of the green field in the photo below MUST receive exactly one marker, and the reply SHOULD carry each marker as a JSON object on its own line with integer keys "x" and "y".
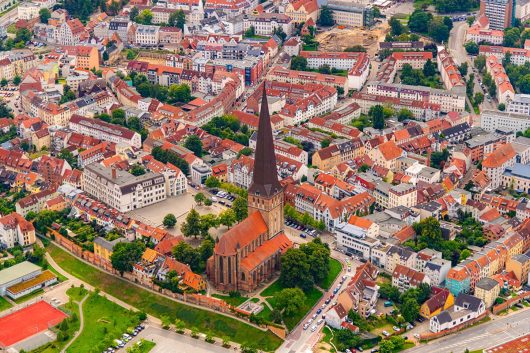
{"x": 312, "y": 297}
{"x": 334, "y": 270}
{"x": 143, "y": 346}
{"x": 204, "y": 321}
{"x": 234, "y": 301}
{"x": 104, "y": 321}
{"x": 4, "y": 304}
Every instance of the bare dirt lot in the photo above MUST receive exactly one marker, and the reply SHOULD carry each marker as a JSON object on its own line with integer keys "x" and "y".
{"x": 338, "y": 39}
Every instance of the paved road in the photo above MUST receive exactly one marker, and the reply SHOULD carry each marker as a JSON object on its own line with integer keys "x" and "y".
{"x": 482, "y": 336}
{"x": 169, "y": 341}
{"x": 9, "y": 17}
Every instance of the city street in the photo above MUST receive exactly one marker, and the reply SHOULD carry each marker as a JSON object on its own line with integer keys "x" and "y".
{"x": 483, "y": 336}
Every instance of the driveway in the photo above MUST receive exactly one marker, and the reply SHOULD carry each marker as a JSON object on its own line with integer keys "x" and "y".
{"x": 169, "y": 341}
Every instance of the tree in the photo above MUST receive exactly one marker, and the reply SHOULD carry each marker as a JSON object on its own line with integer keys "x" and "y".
{"x": 250, "y": 32}
{"x": 192, "y": 224}
{"x": 4, "y": 82}
{"x": 169, "y": 220}
{"x": 429, "y": 68}
{"x": 325, "y": 143}
{"x": 410, "y": 309}
{"x": 480, "y": 62}
{"x": 185, "y": 253}
{"x": 318, "y": 255}
{"x": 512, "y": 36}
{"x": 501, "y": 107}
{"x": 463, "y": 69}
{"x": 199, "y": 198}
{"x": 212, "y": 182}
{"x": 295, "y": 270}
{"x": 356, "y": 49}
{"x": 386, "y": 346}
{"x": 396, "y": 28}
{"x": 524, "y": 84}
{"x": 478, "y": 98}
{"x": 177, "y": 19}
{"x": 405, "y": 114}
{"x": 134, "y": 13}
{"x": 376, "y": 112}
{"x": 145, "y": 17}
{"x": 419, "y": 21}
{"x": 194, "y": 144}
{"x": 240, "y": 207}
{"x": 429, "y": 231}
{"x": 299, "y": 63}
{"x": 388, "y": 291}
{"x": 438, "y": 30}
{"x": 326, "y": 17}
{"x": 23, "y": 35}
{"x": 346, "y": 339}
{"x": 290, "y": 300}
{"x": 44, "y": 15}
{"x": 125, "y": 255}
{"x": 16, "y": 80}
{"x": 180, "y": 93}
{"x": 227, "y": 218}
{"x": 471, "y": 48}
{"x": 438, "y": 157}
{"x": 137, "y": 170}
{"x": 69, "y": 157}
{"x": 448, "y": 22}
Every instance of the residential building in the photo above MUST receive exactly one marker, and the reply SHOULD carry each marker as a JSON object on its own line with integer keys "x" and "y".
{"x": 487, "y": 290}
{"x": 441, "y": 299}
{"x": 492, "y": 120}
{"x": 71, "y": 32}
{"x": 122, "y": 190}
{"x": 520, "y": 266}
{"x": 15, "y": 230}
{"x": 466, "y": 308}
{"x": 302, "y": 10}
{"x": 478, "y": 34}
{"x": 405, "y": 278}
{"x": 147, "y": 35}
{"x": 281, "y": 74}
{"x": 327, "y": 158}
{"x": 34, "y": 202}
{"x": 354, "y": 240}
{"x": 362, "y": 291}
{"x": 500, "y": 13}
{"x": 105, "y": 131}
{"x": 398, "y": 255}
{"x": 505, "y": 91}
{"x": 386, "y": 154}
{"x": 265, "y": 23}
{"x": 449, "y": 70}
{"x": 517, "y": 177}
{"x": 402, "y": 195}
{"x": 496, "y": 163}
{"x": 437, "y": 270}
{"x": 104, "y": 248}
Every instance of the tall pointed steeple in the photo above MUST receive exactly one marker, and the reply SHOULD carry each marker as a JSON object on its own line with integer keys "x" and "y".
{"x": 265, "y": 179}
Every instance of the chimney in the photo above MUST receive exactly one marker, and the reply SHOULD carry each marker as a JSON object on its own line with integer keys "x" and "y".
{"x": 113, "y": 173}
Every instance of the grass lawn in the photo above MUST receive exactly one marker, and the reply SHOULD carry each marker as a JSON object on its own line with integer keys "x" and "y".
{"x": 408, "y": 345}
{"x": 312, "y": 297}
{"x": 29, "y": 296}
{"x": 419, "y": 3}
{"x": 306, "y": 47}
{"x": 265, "y": 313}
{"x": 104, "y": 322}
{"x": 144, "y": 347}
{"x": 156, "y": 305}
{"x": 235, "y": 301}
{"x": 60, "y": 277}
{"x": 334, "y": 269}
{"x": 4, "y": 304}
{"x": 274, "y": 288}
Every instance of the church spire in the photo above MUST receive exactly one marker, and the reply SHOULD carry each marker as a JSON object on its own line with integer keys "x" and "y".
{"x": 265, "y": 179}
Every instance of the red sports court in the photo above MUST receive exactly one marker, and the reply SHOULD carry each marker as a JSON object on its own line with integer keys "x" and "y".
{"x": 27, "y": 322}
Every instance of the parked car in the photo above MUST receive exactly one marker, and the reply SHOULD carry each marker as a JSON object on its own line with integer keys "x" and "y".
{"x": 397, "y": 329}
{"x": 385, "y": 333}
{"x": 302, "y": 235}
{"x": 388, "y": 304}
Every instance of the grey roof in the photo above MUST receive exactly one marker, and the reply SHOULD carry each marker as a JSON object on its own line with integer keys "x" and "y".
{"x": 109, "y": 245}
{"x": 404, "y": 253}
{"x": 487, "y": 283}
{"x": 124, "y": 180}
{"x": 468, "y": 302}
{"x": 444, "y": 317}
{"x": 17, "y": 271}
{"x": 518, "y": 170}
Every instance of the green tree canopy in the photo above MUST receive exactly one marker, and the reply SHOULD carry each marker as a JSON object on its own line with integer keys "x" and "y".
{"x": 169, "y": 220}
{"x": 125, "y": 255}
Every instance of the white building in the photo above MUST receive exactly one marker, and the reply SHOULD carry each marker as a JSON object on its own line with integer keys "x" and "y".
{"x": 466, "y": 308}
{"x": 122, "y": 190}
{"x": 147, "y": 35}
{"x": 354, "y": 240}
{"x": 105, "y": 131}
{"x": 15, "y": 230}
{"x": 265, "y": 23}
{"x": 28, "y": 10}
{"x": 491, "y": 120}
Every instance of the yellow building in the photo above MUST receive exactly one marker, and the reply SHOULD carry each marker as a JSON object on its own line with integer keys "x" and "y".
{"x": 520, "y": 265}
{"x": 103, "y": 247}
{"x": 302, "y": 10}
{"x": 488, "y": 290}
{"x": 441, "y": 300}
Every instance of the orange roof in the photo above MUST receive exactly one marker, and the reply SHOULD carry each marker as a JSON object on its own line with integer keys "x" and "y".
{"x": 490, "y": 215}
{"x": 390, "y": 150}
{"x": 241, "y": 235}
{"x": 149, "y": 255}
{"x": 279, "y": 243}
{"x": 193, "y": 280}
{"x": 499, "y": 156}
{"x": 360, "y": 222}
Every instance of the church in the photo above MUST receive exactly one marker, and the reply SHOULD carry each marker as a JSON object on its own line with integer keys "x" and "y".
{"x": 249, "y": 253}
